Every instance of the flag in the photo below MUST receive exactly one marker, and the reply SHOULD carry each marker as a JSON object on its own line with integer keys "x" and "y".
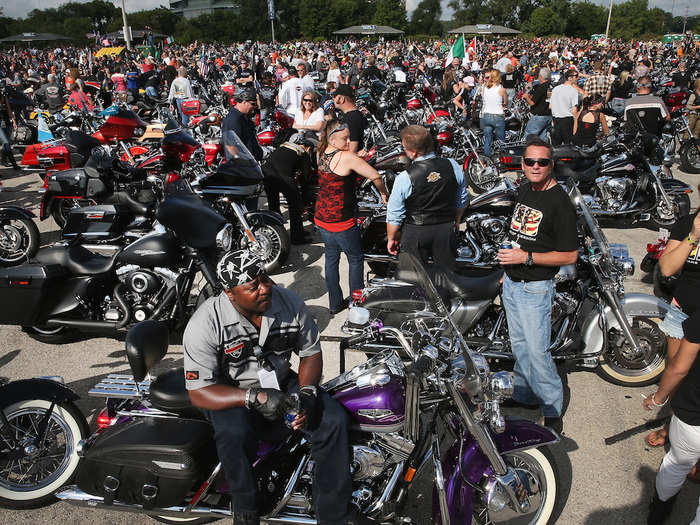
{"x": 472, "y": 46}
{"x": 44, "y": 132}
{"x": 203, "y": 66}
{"x": 169, "y": 40}
{"x": 457, "y": 51}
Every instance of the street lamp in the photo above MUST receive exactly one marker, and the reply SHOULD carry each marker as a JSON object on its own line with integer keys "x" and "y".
{"x": 607, "y": 27}
{"x": 126, "y": 28}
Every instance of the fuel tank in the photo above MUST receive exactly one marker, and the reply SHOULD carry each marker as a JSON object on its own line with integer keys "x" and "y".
{"x": 157, "y": 249}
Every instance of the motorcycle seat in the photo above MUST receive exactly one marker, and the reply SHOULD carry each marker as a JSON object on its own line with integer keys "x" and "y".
{"x": 586, "y": 175}
{"x": 454, "y": 286}
{"x": 168, "y": 393}
{"x": 76, "y": 259}
{"x": 126, "y": 200}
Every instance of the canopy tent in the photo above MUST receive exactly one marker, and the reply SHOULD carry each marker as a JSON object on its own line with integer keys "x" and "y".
{"x": 33, "y": 37}
{"x": 368, "y": 30}
{"x": 136, "y": 34}
{"x": 484, "y": 29}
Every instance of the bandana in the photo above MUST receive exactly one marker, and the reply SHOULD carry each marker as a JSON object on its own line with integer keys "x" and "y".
{"x": 238, "y": 267}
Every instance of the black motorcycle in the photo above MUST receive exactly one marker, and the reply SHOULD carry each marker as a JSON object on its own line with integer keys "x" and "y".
{"x": 19, "y": 236}
{"x": 594, "y": 322}
{"x": 68, "y": 288}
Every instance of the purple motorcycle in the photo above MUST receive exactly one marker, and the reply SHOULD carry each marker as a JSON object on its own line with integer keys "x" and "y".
{"x": 153, "y": 453}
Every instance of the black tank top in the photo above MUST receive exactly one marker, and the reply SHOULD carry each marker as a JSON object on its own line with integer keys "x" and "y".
{"x": 586, "y": 131}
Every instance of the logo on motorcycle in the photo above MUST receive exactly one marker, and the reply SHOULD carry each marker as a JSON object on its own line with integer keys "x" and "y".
{"x": 526, "y": 220}
{"x": 433, "y": 176}
{"x": 191, "y": 375}
{"x": 235, "y": 351}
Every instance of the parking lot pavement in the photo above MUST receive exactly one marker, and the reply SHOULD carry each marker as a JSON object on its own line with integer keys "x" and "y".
{"x": 605, "y": 484}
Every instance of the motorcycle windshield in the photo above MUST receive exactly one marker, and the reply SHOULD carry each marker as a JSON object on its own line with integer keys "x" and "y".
{"x": 590, "y": 221}
{"x": 238, "y": 155}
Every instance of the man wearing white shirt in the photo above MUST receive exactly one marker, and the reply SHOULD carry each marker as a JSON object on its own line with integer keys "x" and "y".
{"x": 564, "y": 102}
{"x": 504, "y": 62}
{"x": 290, "y": 92}
{"x": 306, "y": 81}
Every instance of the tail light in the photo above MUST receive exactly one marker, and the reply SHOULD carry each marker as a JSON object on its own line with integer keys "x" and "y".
{"x": 104, "y": 420}
{"x": 651, "y": 248}
{"x": 172, "y": 177}
{"x": 507, "y": 160}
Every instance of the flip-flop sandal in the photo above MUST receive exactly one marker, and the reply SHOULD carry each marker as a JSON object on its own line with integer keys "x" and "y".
{"x": 655, "y": 439}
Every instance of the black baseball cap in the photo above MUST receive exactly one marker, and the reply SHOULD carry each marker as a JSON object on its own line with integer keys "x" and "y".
{"x": 345, "y": 90}
{"x": 247, "y": 94}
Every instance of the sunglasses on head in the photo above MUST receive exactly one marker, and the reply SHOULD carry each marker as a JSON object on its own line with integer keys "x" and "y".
{"x": 341, "y": 127}
{"x": 544, "y": 162}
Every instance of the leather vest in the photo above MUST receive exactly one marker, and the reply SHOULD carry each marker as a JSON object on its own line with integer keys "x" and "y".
{"x": 433, "y": 192}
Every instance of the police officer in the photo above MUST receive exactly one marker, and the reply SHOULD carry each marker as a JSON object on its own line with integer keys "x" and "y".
{"x": 238, "y": 120}
{"x": 237, "y": 348}
{"x": 428, "y": 199}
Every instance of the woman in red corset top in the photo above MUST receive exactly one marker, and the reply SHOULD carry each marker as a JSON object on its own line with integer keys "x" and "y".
{"x": 335, "y": 215}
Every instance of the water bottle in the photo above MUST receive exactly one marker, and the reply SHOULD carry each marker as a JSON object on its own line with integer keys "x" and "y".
{"x": 292, "y": 410}
{"x": 506, "y": 245}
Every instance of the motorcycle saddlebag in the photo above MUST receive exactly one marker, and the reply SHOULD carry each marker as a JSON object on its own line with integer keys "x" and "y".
{"x": 98, "y": 222}
{"x": 68, "y": 182}
{"x": 23, "y": 290}
{"x": 150, "y": 462}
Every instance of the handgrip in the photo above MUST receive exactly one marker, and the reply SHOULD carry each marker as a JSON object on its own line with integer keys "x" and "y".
{"x": 354, "y": 340}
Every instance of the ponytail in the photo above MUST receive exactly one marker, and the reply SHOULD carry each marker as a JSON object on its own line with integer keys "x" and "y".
{"x": 326, "y": 129}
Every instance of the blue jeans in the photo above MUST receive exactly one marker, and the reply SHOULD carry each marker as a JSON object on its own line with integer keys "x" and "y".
{"x": 538, "y": 125}
{"x": 185, "y": 119}
{"x": 491, "y": 124}
{"x": 529, "y": 311}
{"x": 349, "y": 242}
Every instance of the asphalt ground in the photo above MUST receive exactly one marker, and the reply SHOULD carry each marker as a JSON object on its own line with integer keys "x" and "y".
{"x": 603, "y": 484}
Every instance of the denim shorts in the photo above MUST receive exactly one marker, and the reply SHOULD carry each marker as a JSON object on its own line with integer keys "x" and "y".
{"x": 672, "y": 325}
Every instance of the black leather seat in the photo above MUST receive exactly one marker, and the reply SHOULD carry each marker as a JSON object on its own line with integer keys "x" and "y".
{"x": 586, "y": 175}
{"x": 168, "y": 393}
{"x": 454, "y": 286}
{"x": 126, "y": 200}
{"x": 76, "y": 259}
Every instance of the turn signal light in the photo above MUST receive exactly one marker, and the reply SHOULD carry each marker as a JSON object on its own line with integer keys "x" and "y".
{"x": 104, "y": 420}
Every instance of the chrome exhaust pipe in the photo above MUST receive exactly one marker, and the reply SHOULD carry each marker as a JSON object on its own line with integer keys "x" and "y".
{"x": 73, "y": 495}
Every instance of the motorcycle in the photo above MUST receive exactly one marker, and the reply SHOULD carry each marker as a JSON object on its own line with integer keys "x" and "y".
{"x": 492, "y": 467}
{"x": 689, "y": 151}
{"x": 594, "y": 322}
{"x": 68, "y": 288}
{"x": 19, "y": 236}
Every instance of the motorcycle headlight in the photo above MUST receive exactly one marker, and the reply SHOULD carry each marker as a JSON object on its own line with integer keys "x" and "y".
{"x": 501, "y": 385}
{"x": 224, "y": 238}
{"x": 620, "y": 253}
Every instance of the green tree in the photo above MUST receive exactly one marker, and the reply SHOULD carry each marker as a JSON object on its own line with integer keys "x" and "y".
{"x": 586, "y": 19}
{"x": 544, "y": 21}
{"x": 390, "y": 13}
{"x": 469, "y": 12}
{"x": 426, "y": 18}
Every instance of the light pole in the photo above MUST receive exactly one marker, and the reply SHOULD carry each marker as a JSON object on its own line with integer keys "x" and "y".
{"x": 607, "y": 27}
{"x": 126, "y": 28}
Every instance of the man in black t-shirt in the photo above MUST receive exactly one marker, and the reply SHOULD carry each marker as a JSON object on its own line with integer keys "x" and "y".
{"x": 681, "y": 78}
{"x": 543, "y": 236}
{"x": 344, "y": 100}
{"x": 541, "y": 118}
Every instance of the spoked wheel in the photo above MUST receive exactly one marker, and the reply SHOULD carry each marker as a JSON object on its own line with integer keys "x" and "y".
{"x": 663, "y": 217}
{"x": 482, "y": 176}
{"x": 690, "y": 157}
{"x": 272, "y": 245}
{"x": 33, "y": 465}
{"x": 622, "y": 365}
{"x": 19, "y": 241}
{"x": 540, "y": 475}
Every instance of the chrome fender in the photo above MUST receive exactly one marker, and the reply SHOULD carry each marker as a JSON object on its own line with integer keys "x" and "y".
{"x": 634, "y": 304}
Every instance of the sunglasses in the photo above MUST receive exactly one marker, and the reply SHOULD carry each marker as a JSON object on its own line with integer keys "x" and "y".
{"x": 544, "y": 162}
{"x": 339, "y": 128}
{"x": 307, "y": 100}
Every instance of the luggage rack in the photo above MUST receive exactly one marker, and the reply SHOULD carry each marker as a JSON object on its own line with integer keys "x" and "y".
{"x": 120, "y": 386}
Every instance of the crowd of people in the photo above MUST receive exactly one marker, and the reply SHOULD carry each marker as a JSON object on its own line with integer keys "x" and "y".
{"x": 568, "y": 84}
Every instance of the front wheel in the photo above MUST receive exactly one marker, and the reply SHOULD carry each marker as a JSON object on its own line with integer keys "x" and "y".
{"x": 662, "y": 217}
{"x": 19, "y": 241}
{"x": 272, "y": 244}
{"x": 622, "y": 365}
{"x": 690, "y": 157}
{"x": 540, "y": 474}
{"x": 32, "y": 466}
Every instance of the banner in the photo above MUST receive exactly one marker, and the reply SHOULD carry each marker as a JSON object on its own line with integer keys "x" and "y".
{"x": 109, "y": 51}
{"x": 270, "y": 9}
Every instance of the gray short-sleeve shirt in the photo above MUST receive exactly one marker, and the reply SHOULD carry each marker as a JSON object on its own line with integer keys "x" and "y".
{"x": 223, "y": 347}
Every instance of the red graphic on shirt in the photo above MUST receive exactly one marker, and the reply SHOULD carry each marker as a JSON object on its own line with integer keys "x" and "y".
{"x": 235, "y": 350}
{"x": 191, "y": 375}
{"x": 526, "y": 220}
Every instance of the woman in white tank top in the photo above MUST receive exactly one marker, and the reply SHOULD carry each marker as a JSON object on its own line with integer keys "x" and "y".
{"x": 495, "y": 99}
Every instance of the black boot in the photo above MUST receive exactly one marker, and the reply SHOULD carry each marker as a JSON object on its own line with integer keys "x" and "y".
{"x": 13, "y": 162}
{"x": 3, "y": 158}
{"x": 659, "y": 510}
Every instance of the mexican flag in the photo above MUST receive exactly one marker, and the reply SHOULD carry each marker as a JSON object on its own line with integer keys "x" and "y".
{"x": 456, "y": 51}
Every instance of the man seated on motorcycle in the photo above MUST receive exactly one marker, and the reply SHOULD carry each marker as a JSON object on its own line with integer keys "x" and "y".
{"x": 647, "y": 109}
{"x": 237, "y": 350}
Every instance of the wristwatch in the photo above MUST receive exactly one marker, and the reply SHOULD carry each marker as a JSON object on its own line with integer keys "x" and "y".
{"x": 529, "y": 261}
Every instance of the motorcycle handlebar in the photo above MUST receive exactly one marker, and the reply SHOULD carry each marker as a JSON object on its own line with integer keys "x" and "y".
{"x": 355, "y": 340}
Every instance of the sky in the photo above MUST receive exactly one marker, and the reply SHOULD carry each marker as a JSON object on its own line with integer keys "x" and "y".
{"x": 20, "y": 8}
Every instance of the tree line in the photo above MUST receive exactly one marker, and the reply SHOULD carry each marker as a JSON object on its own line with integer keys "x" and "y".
{"x": 318, "y": 19}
